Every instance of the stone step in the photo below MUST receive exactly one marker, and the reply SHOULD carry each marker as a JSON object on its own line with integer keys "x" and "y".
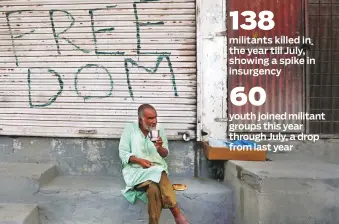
{"x": 22, "y": 179}
{"x": 19, "y": 214}
{"x": 284, "y": 191}
{"x": 93, "y": 199}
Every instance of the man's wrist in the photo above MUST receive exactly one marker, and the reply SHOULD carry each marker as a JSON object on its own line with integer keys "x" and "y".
{"x": 160, "y": 148}
{"x": 134, "y": 159}
{"x": 162, "y": 151}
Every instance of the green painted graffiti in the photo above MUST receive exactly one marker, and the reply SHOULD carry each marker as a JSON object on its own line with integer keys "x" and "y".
{"x": 50, "y": 100}
{"x": 138, "y": 25}
{"x": 106, "y": 30}
{"x": 129, "y": 63}
{"x": 18, "y": 36}
{"x": 151, "y": 24}
{"x": 160, "y": 58}
{"x": 57, "y": 35}
{"x": 93, "y": 66}
{"x": 107, "y": 7}
{"x": 149, "y": 70}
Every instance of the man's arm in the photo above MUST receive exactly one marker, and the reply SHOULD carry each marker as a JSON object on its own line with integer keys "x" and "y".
{"x": 142, "y": 162}
{"x": 163, "y": 152}
{"x": 134, "y": 159}
{"x": 162, "y": 144}
{"x": 125, "y": 153}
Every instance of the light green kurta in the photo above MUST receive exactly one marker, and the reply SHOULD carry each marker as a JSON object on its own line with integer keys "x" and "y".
{"x": 134, "y": 143}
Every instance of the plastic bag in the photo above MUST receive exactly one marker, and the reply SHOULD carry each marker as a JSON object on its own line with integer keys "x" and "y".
{"x": 248, "y": 144}
{"x": 213, "y": 142}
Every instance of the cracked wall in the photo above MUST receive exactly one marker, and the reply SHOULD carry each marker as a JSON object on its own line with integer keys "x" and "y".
{"x": 88, "y": 156}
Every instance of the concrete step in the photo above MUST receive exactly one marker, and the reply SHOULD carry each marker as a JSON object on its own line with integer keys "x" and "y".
{"x": 19, "y": 214}
{"x": 22, "y": 179}
{"x": 284, "y": 191}
{"x": 93, "y": 199}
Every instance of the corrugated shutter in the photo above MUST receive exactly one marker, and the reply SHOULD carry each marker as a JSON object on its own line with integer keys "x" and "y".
{"x": 78, "y": 68}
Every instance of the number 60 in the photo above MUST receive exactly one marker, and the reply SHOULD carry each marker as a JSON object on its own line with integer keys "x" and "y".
{"x": 238, "y": 92}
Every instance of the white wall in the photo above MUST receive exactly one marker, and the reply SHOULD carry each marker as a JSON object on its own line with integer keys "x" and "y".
{"x": 212, "y": 72}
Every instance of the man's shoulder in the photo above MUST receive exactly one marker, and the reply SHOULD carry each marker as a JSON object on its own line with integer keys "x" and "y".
{"x": 130, "y": 125}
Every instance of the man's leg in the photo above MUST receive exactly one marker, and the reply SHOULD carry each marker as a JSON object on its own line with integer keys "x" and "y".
{"x": 169, "y": 199}
{"x": 167, "y": 193}
{"x": 154, "y": 203}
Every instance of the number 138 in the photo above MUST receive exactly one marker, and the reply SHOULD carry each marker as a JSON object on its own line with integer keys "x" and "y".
{"x": 265, "y": 23}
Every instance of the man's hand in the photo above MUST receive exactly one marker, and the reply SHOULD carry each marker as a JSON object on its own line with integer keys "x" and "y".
{"x": 158, "y": 143}
{"x": 144, "y": 163}
{"x": 161, "y": 150}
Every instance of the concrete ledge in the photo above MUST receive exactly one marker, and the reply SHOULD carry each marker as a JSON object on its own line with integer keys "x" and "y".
{"x": 284, "y": 191}
{"x": 72, "y": 185}
{"x": 81, "y": 199}
{"x": 285, "y": 175}
{"x": 19, "y": 214}
{"x": 21, "y": 179}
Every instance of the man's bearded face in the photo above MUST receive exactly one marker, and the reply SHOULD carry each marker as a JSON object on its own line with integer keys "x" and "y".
{"x": 149, "y": 121}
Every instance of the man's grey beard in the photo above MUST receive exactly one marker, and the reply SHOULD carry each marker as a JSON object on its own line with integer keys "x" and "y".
{"x": 148, "y": 127}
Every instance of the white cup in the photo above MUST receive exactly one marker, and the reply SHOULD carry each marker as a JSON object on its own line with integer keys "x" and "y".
{"x": 154, "y": 134}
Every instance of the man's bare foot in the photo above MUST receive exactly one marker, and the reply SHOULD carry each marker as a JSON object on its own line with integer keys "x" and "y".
{"x": 178, "y": 216}
{"x": 180, "y": 219}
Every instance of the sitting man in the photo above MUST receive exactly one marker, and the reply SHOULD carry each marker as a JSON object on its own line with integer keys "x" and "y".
{"x": 144, "y": 168}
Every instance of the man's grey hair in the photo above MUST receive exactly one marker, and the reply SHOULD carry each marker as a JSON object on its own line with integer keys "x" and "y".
{"x": 142, "y": 108}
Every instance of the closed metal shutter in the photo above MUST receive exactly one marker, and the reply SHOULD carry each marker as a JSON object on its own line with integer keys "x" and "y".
{"x": 80, "y": 68}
